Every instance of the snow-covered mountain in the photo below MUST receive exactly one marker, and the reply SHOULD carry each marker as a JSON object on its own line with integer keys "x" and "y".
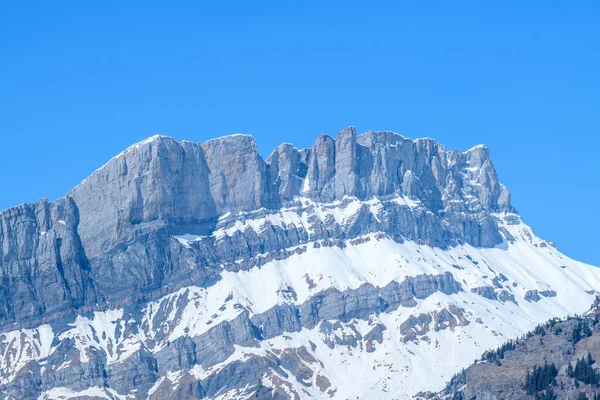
{"x": 369, "y": 266}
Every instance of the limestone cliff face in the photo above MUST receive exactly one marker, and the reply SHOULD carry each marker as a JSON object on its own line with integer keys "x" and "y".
{"x": 110, "y": 237}
{"x": 43, "y": 266}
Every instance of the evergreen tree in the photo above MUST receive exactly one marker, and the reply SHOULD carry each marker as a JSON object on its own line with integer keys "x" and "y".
{"x": 580, "y": 331}
{"x": 557, "y": 331}
{"x": 576, "y": 335}
{"x": 457, "y": 380}
{"x": 493, "y": 356}
{"x": 540, "y": 378}
{"x": 584, "y": 372}
{"x": 539, "y": 330}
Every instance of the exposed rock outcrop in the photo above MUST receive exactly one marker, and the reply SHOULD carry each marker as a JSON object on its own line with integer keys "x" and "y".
{"x": 118, "y": 223}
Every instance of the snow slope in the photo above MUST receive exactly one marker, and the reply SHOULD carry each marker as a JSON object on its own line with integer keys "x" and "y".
{"x": 405, "y": 360}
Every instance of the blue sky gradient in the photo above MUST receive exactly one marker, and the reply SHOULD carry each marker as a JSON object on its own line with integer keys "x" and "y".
{"x": 81, "y": 82}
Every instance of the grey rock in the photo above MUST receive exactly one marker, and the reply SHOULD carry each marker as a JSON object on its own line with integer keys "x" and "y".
{"x": 415, "y": 327}
{"x": 291, "y": 361}
{"x": 548, "y": 293}
{"x": 286, "y": 172}
{"x": 532, "y": 295}
{"x": 375, "y": 335}
{"x": 217, "y": 344}
{"x": 237, "y": 174}
{"x": 505, "y": 296}
{"x": 449, "y": 318}
{"x": 139, "y": 371}
{"x": 64, "y": 256}
{"x": 419, "y": 287}
{"x": 485, "y": 291}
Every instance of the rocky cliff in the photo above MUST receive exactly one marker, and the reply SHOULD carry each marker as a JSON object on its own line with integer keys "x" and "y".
{"x": 181, "y": 269}
{"x": 64, "y": 255}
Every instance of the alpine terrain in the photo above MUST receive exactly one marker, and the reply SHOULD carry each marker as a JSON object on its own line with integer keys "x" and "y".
{"x": 557, "y": 360}
{"x": 364, "y": 267}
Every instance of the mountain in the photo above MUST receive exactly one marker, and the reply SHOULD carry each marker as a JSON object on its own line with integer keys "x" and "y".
{"x": 556, "y": 360}
{"x": 369, "y": 266}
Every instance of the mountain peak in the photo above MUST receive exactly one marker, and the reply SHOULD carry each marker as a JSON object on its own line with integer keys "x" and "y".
{"x": 479, "y": 147}
{"x": 148, "y": 141}
{"x": 187, "y": 270}
{"x": 160, "y": 183}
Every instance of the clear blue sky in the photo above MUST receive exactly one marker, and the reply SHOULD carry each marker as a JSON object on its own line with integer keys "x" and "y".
{"x": 80, "y": 82}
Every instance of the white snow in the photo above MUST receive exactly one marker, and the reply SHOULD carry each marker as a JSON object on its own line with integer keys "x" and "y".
{"x": 186, "y": 239}
{"x": 306, "y": 185}
{"x": 395, "y": 369}
{"x": 104, "y": 332}
{"x": 63, "y": 393}
{"x": 477, "y": 147}
{"x": 300, "y": 216}
{"x": 525, "y": 263}
{"x": 21, "y": 346}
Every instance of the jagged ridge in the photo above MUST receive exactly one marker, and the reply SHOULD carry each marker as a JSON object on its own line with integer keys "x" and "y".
{"x": 66, "y": 254}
